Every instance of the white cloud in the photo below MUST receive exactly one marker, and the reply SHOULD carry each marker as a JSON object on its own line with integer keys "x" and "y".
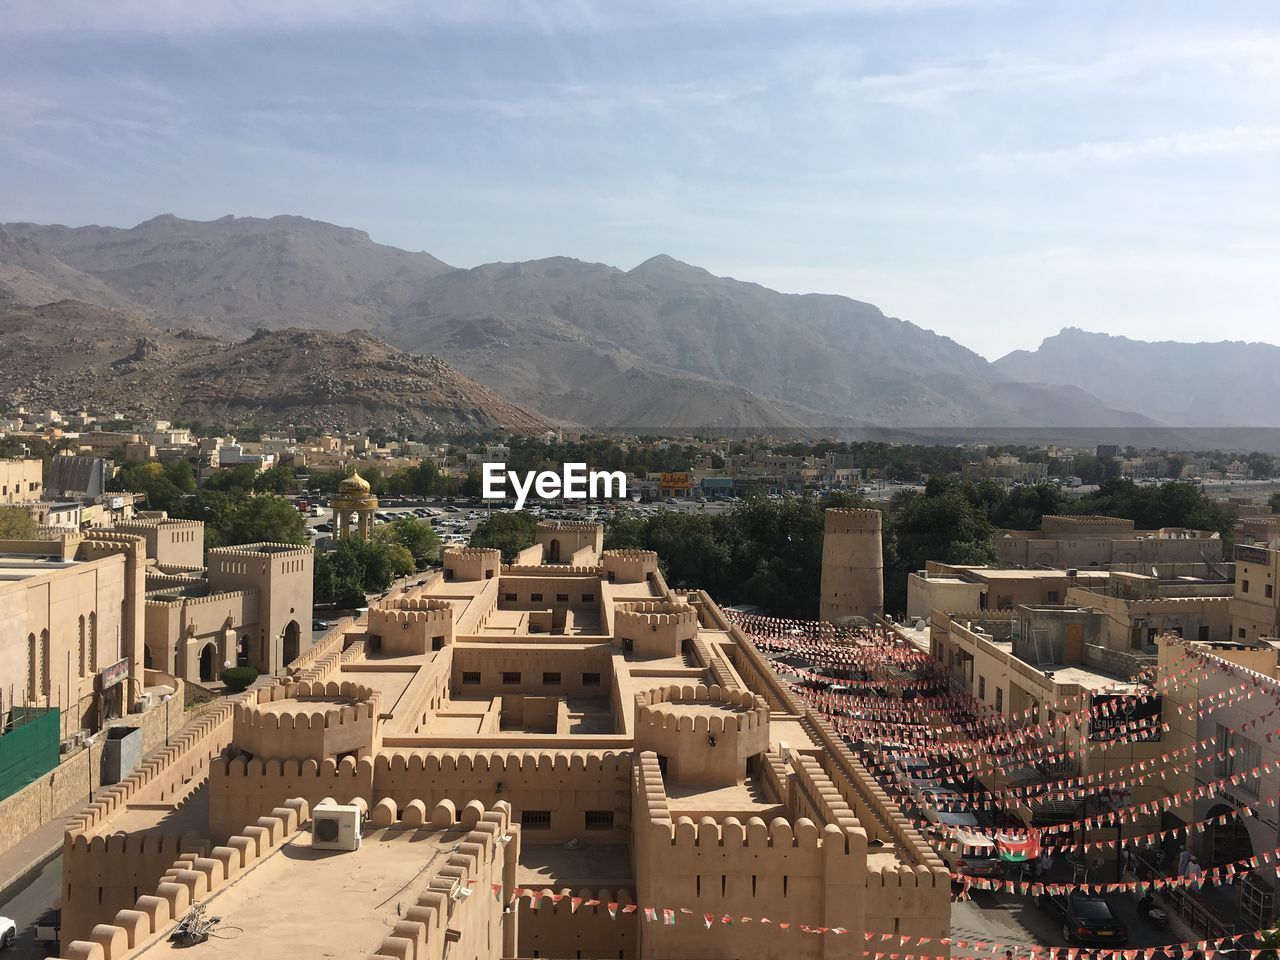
{"x": 1237, "y": 141}
{"x": 189, "y": 17}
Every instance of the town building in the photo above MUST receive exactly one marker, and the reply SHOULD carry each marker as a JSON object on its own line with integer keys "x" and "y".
{"x": 1107, "y": 542}
{"x": 1255, "y": 608}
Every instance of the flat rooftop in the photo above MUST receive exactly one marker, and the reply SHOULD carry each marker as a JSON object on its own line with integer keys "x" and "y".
{"x": 587, "y": 865}
{"x": 304, "y": 903}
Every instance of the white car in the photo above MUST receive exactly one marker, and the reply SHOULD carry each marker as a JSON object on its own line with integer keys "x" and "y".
{"x": 8, "y": 932}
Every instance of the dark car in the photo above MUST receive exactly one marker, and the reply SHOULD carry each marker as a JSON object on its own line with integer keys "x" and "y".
{"x": 1088, "y": 920}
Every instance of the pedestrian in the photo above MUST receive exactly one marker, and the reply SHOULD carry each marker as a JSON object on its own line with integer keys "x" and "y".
{"x": 1184, "y": 859}
{"x": 1193, "y": 871}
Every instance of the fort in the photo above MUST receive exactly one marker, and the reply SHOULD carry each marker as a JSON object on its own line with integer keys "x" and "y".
{"x": 566, "y": 742}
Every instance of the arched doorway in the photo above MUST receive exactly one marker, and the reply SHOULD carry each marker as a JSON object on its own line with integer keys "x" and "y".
{"x": 147, "y": 661}
{"x": 208, "y": 663}
{"x": 553, "y": 552}
{"x": 289, "y": 651}
{"x": 1226, "y": 838}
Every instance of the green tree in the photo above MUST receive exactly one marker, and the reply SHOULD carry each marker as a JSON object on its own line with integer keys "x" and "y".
{"x": 359, "y": 567}
{"x": 234, "y": 517}
{"x": 16, "y": 523}
{"x": 472, "y": 486}
{"x": 157, "y": 483}
{"x": 1275, "y": 502}
{"x": 278, "y": 480}
{"x": 508, "y": 530}
{"x": 240, "y": 477}
{"x": 416, "y": 536}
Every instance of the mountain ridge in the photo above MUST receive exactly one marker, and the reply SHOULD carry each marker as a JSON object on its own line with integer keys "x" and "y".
{"x": 581, "y": 342}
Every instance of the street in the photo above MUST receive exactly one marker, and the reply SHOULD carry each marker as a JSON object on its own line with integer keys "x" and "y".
{"x": 28, "y": 904}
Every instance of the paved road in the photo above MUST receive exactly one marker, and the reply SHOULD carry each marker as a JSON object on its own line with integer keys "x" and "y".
{"x": 26, "y": 906}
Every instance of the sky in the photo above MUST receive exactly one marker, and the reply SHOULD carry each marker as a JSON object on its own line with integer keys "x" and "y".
{"x": 989, "y": 169}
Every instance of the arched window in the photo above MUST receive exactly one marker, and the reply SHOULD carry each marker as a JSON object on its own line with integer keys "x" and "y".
{"x": 93, "y": 641}
{"x": 45, "y": 672}
{"x": 84, "y": 650}
{"x": 33, "y": 668}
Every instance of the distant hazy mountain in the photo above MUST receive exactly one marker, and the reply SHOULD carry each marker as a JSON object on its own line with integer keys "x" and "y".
{"x": 663, "y": 345}
{"x": 1229, "y": 383}
{"x": 69, "y": 352}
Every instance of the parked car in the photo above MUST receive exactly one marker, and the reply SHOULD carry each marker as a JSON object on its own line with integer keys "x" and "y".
{"x": 320, "y": 624}
{"x": 972, "y": 854}
{"x": 1086, "y": 919}
{"x": 8, "y": 932}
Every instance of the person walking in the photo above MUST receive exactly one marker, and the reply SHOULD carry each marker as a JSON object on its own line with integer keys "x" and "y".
{"x": 1184, "y": 860}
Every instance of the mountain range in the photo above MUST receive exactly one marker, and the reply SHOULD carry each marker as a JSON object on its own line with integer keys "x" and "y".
{"x": 663, "y": 345}
{"x": 70, "y": 352}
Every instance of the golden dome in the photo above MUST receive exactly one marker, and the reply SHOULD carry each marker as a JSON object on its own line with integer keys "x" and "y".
{"x": 354, "y": 484}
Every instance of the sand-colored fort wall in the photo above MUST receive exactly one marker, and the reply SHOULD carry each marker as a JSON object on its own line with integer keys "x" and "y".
{"x": 705, "y": 733}
{"x": 471, "y": 563}
{"x": 486, "y": 856}
{"x": 655, "y": 628}
{"x": 93, "y": 854}
{"x": 491, "y": 661}
{"x": 567, "y": 783}
{"x": 629, "y": 566}
{"x": 807, "y": 874}
{"x": 1086, "y": 527}
{"x": 308, "y": 720}
{"x": 411, "y": 626}
{"x": 188, "y": 876}
{"x": 563, "y": 922}
{"x": 242, "y": 789}
{"x": 322, "y": 657}
{"x": 852, "y": 564}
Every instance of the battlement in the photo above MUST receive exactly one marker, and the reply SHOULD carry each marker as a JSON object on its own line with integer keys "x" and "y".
{"x": 157, "y": 523}
{"x": 707, "y": 734}
{"x": 630, "y": 554}
{"x": 559, "y": 570}
{"x": 655, "y": 628}
{"x": 478, "y": 552}
{"x": 550, "y": 763}
{"x": 193, "y": 877}
{"x": 755, "y": 834}
{"x": 652, "y": 707}
{"x": 309, "y": 721}
{"x": 471, "y": 563}
{"x": 261, "y": 551}
{"x": 411, "y": 625}
{"x": 1065, "y": 525}
{"x": 568, "y": 526}
{"x": 848, "y": 520}
{"x": 219, "y": 596}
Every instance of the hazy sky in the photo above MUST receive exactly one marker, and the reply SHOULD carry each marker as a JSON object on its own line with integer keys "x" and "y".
{"x": 990, "y": 170}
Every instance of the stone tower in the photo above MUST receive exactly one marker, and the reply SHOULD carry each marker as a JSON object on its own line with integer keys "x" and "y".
{"x": 852, "y": 565}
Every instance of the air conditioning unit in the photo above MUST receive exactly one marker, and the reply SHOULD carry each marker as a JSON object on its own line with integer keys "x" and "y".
{"x": 335, "y": 827}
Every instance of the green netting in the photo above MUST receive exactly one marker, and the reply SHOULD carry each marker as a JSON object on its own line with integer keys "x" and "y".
{"x": 28, "y": 748}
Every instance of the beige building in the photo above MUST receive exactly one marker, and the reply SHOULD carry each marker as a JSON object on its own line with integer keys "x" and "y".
{"x": 1106, "y": 542}
{"x": 574, "y": 735}
{"x": 1255, "y": 609}
{"x": 70, "y": 615}
{"x": 21, "y": 481}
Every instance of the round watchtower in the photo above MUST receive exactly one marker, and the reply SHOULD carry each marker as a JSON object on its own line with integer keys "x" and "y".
{"x": 309, "y": 721}
{"x": 703, "y": 735}
{"x": 852, "y": 564}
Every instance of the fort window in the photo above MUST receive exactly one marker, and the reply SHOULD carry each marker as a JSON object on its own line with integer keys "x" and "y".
{"x": 535, "y": 598}
{"x": 448, "y": 573}
{"x": 510, "y": 677}
{"x": 562, "y": 598}
{"x": 588, "y": 598}
{"x": 1268, "y": 591}
{"x": 437, "y": 643}
{"x": 982, "y": 688}
{"x": 551, "y": 679}
{"x": 599, "y": 819}
{"x": 1203, "y": 633}
{"x": 509, "y": 597}
{"x": 999, "y": 700}
{"x": 488, "y": 574}
{"x": 1053, "y": 596}
{"x": 471, "y": 676}
{"x": 535, "y": 819}
{"x": 591, "y": 679}
{"x": 1244, "y": 586}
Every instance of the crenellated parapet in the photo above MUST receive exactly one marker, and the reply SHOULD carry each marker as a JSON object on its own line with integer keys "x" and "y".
{"x": 305, "y": 720}
{"x": 193, "y": 876}
{"x": 629, "y": 566}
{"x": 564, "y": 570}
{"x": 706, "y": 734}
{"x": 411, "y": 626}
{"x": 471, "y": 563}
{"x": 655, "y": 628}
